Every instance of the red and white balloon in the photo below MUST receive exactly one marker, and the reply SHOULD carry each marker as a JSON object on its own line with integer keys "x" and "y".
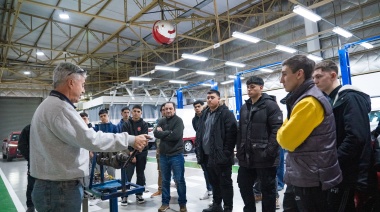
{"x": 164, "y": 32}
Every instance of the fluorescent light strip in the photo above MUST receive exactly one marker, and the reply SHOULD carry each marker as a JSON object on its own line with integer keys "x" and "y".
{"x": 342, "y": 32}
{"x": 367, "y": 45}
{"x": 227, "y": 82}
{"x": 267, "y": 70}
{"x": 140, "y": 79}
{"x": 64, "y": 16}
{"x": 240, "y": 65}
{"x": 178, "y": 81}
{"x": 205, "y": 73}
{"x": 233, "y": 77}
{"x": 245, "y": 37}
{"x": 166, "y": 68}
{"x": 286, "y": 49}
{"x": 194, "y": 57}
{"x": 207, "y": 84}
{"x": 39, "y": 53}
{"x": 306, "y": 13}
{"x": 315, "y": 58}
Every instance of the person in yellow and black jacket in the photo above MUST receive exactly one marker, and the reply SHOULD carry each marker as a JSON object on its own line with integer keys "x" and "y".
{"x": 308, "y": 133}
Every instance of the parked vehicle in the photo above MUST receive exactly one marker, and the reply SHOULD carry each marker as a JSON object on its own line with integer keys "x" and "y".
{"x": 152, "y": 140}
{"x": 188, "y": 144}
{"x": 10, "y": 145}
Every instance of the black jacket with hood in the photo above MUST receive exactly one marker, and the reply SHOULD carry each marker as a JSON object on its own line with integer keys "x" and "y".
{"x": 351, "y": 108}
{"x": 222, "y": 137}
{"x": 257, "y": 146}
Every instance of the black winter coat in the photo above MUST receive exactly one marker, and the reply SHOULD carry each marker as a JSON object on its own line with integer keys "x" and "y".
{"x": 222, "y": 137}
{"x": 135, "y": 128}
{"x": 351, "y": 108}
{"x": 23, "y": 142}
{"x": 257, "y": 146}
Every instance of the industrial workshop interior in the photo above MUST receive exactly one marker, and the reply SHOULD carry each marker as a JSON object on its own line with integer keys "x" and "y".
{"x": 190, "y": 105}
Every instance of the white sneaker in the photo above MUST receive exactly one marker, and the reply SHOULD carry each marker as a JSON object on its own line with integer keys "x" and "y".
{"x": 207, "y": 195}
{"x": 94, "y": 202}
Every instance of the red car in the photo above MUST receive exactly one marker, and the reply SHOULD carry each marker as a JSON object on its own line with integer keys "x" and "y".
{"x": 10, "y": 145}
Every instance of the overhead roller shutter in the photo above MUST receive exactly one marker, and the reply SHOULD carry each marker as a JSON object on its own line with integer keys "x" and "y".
{"x": 16, "y": 113}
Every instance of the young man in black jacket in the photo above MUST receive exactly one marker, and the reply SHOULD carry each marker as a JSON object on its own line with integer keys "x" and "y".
{"x": 257, "y": 147}
{"x": 216, "y": 139}
{"x": 351, "y": 108}
{"x": 198, "y": 108}
{"x": 23, "y": 146}
{"x": 136, "y": 126}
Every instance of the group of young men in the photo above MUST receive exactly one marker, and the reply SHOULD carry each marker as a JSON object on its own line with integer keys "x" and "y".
{"x": 326, "y": 134}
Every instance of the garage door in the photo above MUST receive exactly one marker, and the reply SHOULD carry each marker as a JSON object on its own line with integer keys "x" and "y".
{"x": 16, "y": 113}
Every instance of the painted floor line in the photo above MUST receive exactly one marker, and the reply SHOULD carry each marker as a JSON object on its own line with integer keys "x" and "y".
{"x": 12, "y": 193}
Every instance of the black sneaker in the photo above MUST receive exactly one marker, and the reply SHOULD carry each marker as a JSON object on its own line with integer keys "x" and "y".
{"x": 140, "y": 199}
{"x": 214, "y": 208}
{"x": 124, "y": 201}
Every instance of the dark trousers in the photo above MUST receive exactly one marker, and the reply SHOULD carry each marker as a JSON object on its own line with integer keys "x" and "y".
{"x": 267, "y": 178}
{"x": 289, "y": 202}
{"x": 311, "y": 199}
{"x": 205, "y": 173}
{"x": 140, "y": 168}
{"x": 221, "y": 182}
{"x": 29, "y": 190}
{"x": 341, "y": 199}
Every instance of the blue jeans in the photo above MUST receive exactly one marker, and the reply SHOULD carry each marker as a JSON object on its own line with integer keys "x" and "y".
{"x": 177, "y": 164}
{"x": 57, "y": 195}
{"x": 281, "y": 170}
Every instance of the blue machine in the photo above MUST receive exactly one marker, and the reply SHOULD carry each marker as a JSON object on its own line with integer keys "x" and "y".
{"x": 344, "y": 59}
{"x": 214, "y": 86}
{"x": 113, "y": 189}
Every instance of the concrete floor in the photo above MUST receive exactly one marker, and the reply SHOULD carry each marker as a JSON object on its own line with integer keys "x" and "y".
{"x": 15, "y": 172}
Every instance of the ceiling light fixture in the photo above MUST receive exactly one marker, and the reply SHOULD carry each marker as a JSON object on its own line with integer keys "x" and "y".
{"x": 26, "y": 72}
{"x": 40, "y": 53}
{"x": 227, "y": 82}
{"x": 342, "y": 32}
{"x": 64, "y": 15}
{"x": 306, "y": 13}
{"x": 245, "y": 37}
{"x": 234, "y": 76}
{"x": 267, "y": 70}
{"x": 315, "y": 58}
{"x": 286, "y": 49}
{"x": 240, "y": 65}
{"x": 205, "y": 73}
{"x": 367, "y": 45}
{"x": 166, "y": 68}
{"x": 140, "y": 79}
{"x": 178, "y": 81}
{"x": 194, "y": 57}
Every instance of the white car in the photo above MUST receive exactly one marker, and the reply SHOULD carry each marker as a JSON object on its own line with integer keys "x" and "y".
{"x": 152, "y": 140}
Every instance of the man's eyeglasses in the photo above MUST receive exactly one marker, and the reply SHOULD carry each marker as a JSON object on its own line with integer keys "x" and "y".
{"x": 77, "y": 70}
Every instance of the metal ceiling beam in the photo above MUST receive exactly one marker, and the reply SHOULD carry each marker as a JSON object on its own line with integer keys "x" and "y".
{"x": 137, "y": 16}
{"x": 82, "y": 29}
{"x": 10, "y": 35}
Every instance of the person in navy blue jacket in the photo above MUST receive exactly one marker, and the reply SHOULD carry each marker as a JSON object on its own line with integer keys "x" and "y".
{"x": 106, "y": 126}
